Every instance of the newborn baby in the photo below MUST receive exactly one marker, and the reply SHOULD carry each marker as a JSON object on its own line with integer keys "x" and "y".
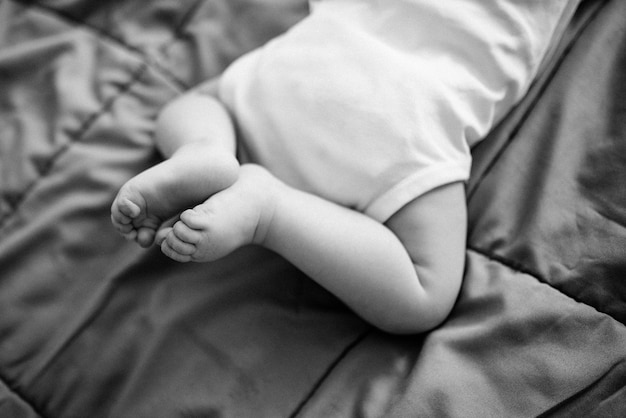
{"x": 344, "y": 145}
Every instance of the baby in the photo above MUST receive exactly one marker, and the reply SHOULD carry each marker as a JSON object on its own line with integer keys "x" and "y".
{"x": 343, "y": 146}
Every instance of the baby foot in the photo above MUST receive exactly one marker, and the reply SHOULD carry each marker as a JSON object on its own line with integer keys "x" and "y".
{"x": 147, "y": 200}
{"x": 226, "y": 221}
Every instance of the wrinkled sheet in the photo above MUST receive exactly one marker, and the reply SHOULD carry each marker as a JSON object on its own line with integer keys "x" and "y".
{"x": 93, "y": 326}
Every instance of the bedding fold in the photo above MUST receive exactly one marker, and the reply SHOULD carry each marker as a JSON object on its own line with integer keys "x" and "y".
{"x": 93, "y": 326}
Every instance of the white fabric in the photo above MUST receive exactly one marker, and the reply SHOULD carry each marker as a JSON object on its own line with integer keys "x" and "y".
{"x": 371, "y": 103}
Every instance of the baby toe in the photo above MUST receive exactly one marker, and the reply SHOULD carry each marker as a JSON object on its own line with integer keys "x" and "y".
{"x": 118, "y": 218}
{"x": 130, "y": 236}
{"x": 145, "y": 236}
{"x": 171, "y": 253}
{"x": 128, "y": 208}
{"x": 194, "y": 218}
{"x": 161, "y": 234}
{"x": 186, "y": 234}
{"x": 124, "y": 229}
{"x": 182, "y": 248}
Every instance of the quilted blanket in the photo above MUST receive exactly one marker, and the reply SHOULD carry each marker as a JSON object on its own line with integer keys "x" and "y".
{"x": 94, "y": 326}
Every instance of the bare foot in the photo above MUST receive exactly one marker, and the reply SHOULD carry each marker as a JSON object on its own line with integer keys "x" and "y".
{"x": 196, "y": 171}
{"x": 226, "y": 221}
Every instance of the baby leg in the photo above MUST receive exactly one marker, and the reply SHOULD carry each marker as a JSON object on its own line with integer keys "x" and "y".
{"x": 196, "y": 135}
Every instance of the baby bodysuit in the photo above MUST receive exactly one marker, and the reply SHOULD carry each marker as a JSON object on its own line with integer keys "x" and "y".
{"x": 372, "y": 103}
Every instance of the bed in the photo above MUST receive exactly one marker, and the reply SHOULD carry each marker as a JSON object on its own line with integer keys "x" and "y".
{"x": 94, "y": 326}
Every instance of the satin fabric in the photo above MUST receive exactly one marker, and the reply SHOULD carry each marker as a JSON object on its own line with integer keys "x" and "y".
{"x": 93, "y": 326}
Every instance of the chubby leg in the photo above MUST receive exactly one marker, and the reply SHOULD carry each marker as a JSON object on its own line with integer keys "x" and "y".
{"x": 196, "y": 136}
{"x": 402, "y": 276}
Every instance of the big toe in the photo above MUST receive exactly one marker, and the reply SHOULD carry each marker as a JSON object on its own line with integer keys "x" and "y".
{"x": 128, "y": 207}
{"x": 197, "y": 217}
{"x": 145, "y": 236}
{"x": 161, "y": 234}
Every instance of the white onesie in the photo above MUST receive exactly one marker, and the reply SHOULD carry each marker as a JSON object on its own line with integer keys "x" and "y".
{"x": 372, "y": 103}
